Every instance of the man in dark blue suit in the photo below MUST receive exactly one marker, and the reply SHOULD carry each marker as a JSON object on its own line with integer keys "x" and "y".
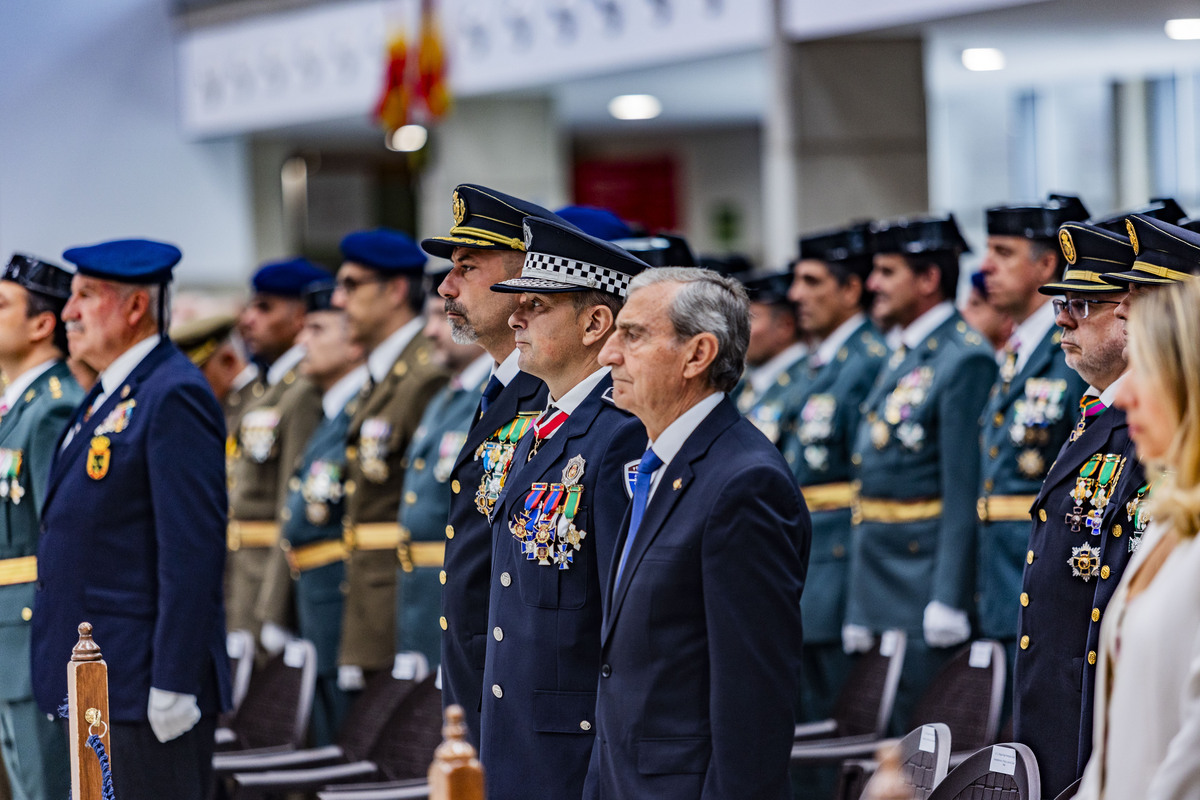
{"x": 700, "y": 644}
{"x": 133, "y": 528}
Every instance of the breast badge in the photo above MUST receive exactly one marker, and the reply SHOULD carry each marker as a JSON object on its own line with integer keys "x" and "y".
{"x": 258, "y": 433}
{"x": 117, "y": 419}
{"x": 497, "y": 454}
{"x": 911, "y": 392}
{"x": 1094, "y": 486}
{"x": 98, "y": 457}
{"x": 373, "y": 448}
{"x": 1138, "y": 514}
{"x": 816, "y": 426}
{"x": 322, "y": 487}
{"x": 448, "y": 449}
{"x": 1040, "y": 407}
{"x": 1084, "y": 561}
{"x": 10, "y": 471}
{"x": 545, "y": 525}
{"x": 765, "y": 417}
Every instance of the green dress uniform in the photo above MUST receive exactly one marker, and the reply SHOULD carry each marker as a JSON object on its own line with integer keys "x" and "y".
{"x": 274, "y": 428}
{"x": 425, "y": 510}
{"x": 34, "y": 748}
{"x": 819, "y": 423}
{"x": 917, "y": 452}
{"x": 766, "y": 410}
{"x": 386, "y": 418}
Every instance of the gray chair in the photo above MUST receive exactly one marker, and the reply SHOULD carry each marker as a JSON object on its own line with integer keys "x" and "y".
{"x": 924, "y": 762}
{"x": 275, "y": 711}
{"x": 997, "y": 772}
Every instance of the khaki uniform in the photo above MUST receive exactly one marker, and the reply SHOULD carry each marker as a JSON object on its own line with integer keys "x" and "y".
{"x": 385, "y": 419}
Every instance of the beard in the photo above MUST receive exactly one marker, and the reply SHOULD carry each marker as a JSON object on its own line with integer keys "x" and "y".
{"x": 461, "y": 329}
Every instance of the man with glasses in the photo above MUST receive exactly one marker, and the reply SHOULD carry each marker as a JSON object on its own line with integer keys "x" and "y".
{"x": 1082, "y": 536}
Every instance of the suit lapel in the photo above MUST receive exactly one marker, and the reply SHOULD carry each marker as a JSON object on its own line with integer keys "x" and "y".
{"x": 519, "y": 391}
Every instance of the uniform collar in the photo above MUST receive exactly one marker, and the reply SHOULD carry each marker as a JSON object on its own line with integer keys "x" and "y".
{"x": 507, "y": 369}
{"x": 475, "y": 373}
{"x": 112, "y": 378}
{"x": 1029, "y": 334}
{"x": 834, "y": 341}
{"x": 671, "y": 440}
{"x": 245, "y": 377}
{"x": 336, "y": 396}
{"x": 579, "y": 392}
{"x": 927, "y": 323}
{"x": 284, "y": 364}
{"x": 1110, "y": 394}
{"x": 22, "y": 382}
{"x": 380, "y": 362}
{"x": 764, "y": 376}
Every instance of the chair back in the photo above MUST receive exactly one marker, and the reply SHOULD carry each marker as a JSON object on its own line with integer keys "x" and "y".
{"x": 924, "y": 758}
{"x": 967, "y": 694}
{"x": 998, "y": 772}
{"x": 864, "y": 705}
{"x": 405, "y": 748}
{"x": 276, "y": 708}
{"x": 240, "y": 647}
{"x": 367, "y": 718}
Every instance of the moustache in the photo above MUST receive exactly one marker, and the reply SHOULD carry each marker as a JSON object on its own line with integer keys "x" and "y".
{"x": 455, "y": 308}
{"x": 73, "y": 327}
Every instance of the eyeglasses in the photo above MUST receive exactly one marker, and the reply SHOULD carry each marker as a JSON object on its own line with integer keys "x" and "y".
{"x": 1077, "y": 308}
{"x": 350, "y": 284}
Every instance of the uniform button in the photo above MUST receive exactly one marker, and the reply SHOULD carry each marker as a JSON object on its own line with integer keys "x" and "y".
{"x": 998, "y": 420}
{"x": 1095, "y": 615}
{"x": 993, "y": 452}
{"x": 455, "y": 486}
{"x": 1091, "y": 656}
{"x": 351, "y": 452}
{"x": 1105, "y": 572}
{"x": 1029, "y": 557}
{"x": 1042, "y": 514}
{"x": 838, "y": 551}
{"x": 856, "y": 459}
{"x": 1024, "y": 642}
{"x": 449, "y": 531}
{"x": 350, "y": 487}
{"x": 914, "y": 546}
{"x": 988, "y": 485}
{"x": 585, "y": 726}
{"x": 27, "y": 613}
{"x": 410, "y": 498}
{"x": 294, "y": 484}
{"x": 442, "y": 622}
{"x": 1117, "y": 530}
{"x": 605, "y": 671}
{"x": 1024, "y": 599}
{"x": 285, "y": 514}
{"x": 418, "y": 463}
{"x": 498, "y": 634}
{"x": 442, "y": 577}
{"x": 496, "y": 690}
{"x": 505, "y": 579}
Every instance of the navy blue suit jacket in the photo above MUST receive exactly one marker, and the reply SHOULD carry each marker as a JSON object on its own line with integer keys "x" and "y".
{"x": 700, "y": 645}
{"x": 136, "y": 545}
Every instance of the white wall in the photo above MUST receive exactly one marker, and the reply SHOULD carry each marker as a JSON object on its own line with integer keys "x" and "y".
{"x": 90, "y": 148}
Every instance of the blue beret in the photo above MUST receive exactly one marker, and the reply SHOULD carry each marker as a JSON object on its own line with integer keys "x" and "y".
{"x": 385, "y": 250}
{"x": 126, "y": 260}
{"x": 598, "y": 222}
{"x": 288, "y": 278}
{"x": 979, "y": 283}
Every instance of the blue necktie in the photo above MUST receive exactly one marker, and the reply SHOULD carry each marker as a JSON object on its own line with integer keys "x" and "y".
{"x": 490, "y": 393}
{"x": 641, "y": 495}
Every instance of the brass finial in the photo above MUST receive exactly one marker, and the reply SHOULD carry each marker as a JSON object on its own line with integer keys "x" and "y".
{"x": 455, "y": 747}
{"x": 86, "y": 648}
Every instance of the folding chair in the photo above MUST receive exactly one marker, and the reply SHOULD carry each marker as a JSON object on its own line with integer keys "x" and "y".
{"x": 967, "y": 694}
{"x": 924, "y": 760}
{"x": 998, "y": 772}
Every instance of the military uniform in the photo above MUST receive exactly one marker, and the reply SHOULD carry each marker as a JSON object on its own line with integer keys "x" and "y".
{"x": 765, "y": 409}
{"x": 274, "y": 427}
{"x": 35, "y": 750}
{"x": 819, "y": 424}
{"x": 425, "y": 510}
{"x": 917, "y": 452}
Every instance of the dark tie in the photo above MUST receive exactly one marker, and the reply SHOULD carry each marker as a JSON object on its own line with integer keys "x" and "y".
{"x": 490, "y": 393}
{"x": 641, "y": 495}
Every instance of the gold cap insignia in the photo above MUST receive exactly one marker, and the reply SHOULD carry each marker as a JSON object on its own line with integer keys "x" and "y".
{"x": 1132, "y": 236}
{"x": 460, "y": 208}
{"x": 1068, "y": 246}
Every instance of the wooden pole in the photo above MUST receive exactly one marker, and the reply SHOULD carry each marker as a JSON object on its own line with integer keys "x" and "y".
{"x": 87, "y": 700}
{"x": 455, "y": 773}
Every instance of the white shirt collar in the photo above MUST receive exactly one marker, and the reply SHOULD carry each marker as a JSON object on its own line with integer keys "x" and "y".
{"x": 926, "y": 324}
{"x": 284, "y": 364}
{"x": 507, "y": 369}
{"x": 671, "y": 440}
{"x": 385, "y": 355}
{"x": 336, "y": 396}
{"x": 18, "y": 385}
{"x": 834, "y": 341}
{"x": 1110, "y": 394}
{"x": 112, "y": 378}
{"x": 474, "y": 374}
{"x": 579, "y": 392}
{"x": 764, "y": 376}
{"x": 1029, "y": 334}
{"x": 244, "y": 377}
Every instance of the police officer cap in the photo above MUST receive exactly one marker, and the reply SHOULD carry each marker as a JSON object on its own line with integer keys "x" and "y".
{"x": 200, "y": 338}
{"x": 384, "y": 250}
{"x": 769, "y": 288}
{"x": 126, "y": 260}
{"x": 918, "y": 235}
{"x": 485, "y": 219}
{"x": 598, "y": 222}
{"x": 1161, "y": 208}
{"x": 39, "y": 276}
{"x": 561, "y": 258}
{"x": 1091, "y": 253}
{"x": 1164, "y": 253}
{"x": 287, "y": 278}
{"x": 1035, "y": 220}
{"x": 660, "y": 250}
{"x": 318, "y": 296}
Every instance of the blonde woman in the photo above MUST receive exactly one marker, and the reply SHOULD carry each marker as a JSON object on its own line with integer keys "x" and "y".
{"x": 1147, "y": 723}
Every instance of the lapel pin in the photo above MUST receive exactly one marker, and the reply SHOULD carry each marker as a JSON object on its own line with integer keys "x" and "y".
{"x": 677, "y": 484}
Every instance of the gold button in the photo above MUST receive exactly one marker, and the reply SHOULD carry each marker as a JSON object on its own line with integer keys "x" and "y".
{"x": 1024, "y": 599}
{"x": 285, "y": 514}
{"x": 27, "y": 613}
{"x": 410, "y": 498}
{"x": 1117, "y": 530}
{"x": 585, "y": 726}
{"x": 259, "y": 391}
{"x": 290, "y": 378}
{"x": 449, "y": 531}
{"x": 1091, "y": 656}
{"x": 1042, "y": 514}
{"x": 856, "y": 459}
{"x": 400, "y": 370}
{"x": 496, "y": 690}
{"x": 498, "y": 634}
{"x": 443, "y": 623}
{"x": 505, "y": 579}
{"x": 442, "y": 577}
{"x": 913, "y": 546}
{"x": 455, "y": 487}
{"x": 1029, "y": 557}
{"x": 418, "y": 463}
{"x": 351, "y": 452}
{"x": 988, "y": 485}
{"x": 294, "y": 484}
{"x": 350, "y": 487}
{"x": 838, "y": 551}
{"x": 1024, "y": 642}
{"x": 993, "y": 452}
{"x": 1095, "y": 615}
{"x": 998, "y": 420}
{"x": 1105, "y": 572}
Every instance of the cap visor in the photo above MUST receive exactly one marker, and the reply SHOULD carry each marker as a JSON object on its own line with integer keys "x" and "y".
{"x": 443, "y": 246}
{"x": 536, "y": 286}
{"x": 1063, "y": 288}
{"x": 1134, "y": 276}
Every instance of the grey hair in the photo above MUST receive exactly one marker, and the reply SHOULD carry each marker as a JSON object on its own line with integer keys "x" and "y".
{"x": 707, "y": 302}
{"x": 152, "y": 290}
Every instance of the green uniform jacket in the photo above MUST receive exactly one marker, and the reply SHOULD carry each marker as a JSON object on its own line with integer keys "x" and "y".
{"x": 766, "y": 410}
{"x": 1024, "y": 425}
{"x": 917, "y": 449}
{"x": 28, "y": 434}
{"x": 819, "y": 423}
{"x": 384, "y": 422}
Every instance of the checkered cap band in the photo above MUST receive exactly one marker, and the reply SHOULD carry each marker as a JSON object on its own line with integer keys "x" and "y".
{"x": 575, "y": 273}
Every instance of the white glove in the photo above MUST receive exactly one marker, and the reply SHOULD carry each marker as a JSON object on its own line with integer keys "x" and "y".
{"x": 171, "y": 714}
{"x": 945, "y": 626}
{"x": 274, "y": 638}
{"x": 350, "y": 678}
{"x": 856, "y": 639}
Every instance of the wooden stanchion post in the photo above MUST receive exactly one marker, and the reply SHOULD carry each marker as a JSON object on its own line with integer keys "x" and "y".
{"x": 455, "y": 773}
{"x": 87, "y": 700}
